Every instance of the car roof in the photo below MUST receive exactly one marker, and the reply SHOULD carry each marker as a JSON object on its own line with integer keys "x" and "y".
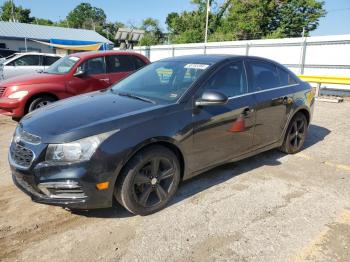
{"x": 36, "y": 53}
{"x": 212, "y": 58}
{"x": 107, "y": 52}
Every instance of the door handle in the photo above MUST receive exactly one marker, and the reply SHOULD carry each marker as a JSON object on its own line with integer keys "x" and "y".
{"x": 105, "y": 79}
{"x": 285, "y": 100}
{"x": 247, "y": 111}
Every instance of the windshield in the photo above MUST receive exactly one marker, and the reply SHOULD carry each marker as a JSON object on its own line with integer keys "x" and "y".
{"x": 63, "y": 65}
{"x": 165, "y": 80}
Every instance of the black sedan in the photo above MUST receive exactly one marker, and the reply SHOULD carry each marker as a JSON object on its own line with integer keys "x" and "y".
{"x": 169, "y": 121}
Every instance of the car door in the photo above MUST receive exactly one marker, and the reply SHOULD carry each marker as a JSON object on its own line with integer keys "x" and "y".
{"x": 94, "y": 77}
{"x": 118, "y": 67}
{"x": 222, "y": 132}
{"x": 25, "y": 64}
{"x": 273, "y": 98}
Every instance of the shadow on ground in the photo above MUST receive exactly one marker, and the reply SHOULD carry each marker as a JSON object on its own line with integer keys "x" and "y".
{"x": 218, "y": 175}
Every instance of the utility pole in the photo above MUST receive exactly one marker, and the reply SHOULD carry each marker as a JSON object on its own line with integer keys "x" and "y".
{"x": 207, "y": 22}
{"x": 12, "y": 12}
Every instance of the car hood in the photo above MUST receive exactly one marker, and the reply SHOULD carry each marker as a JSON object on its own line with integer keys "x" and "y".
{"x": 85, "y": 115}
{"x": 29, "y": 79}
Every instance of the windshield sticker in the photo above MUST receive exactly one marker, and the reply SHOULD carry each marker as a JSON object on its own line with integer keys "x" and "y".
{"x": 196, "y": 66}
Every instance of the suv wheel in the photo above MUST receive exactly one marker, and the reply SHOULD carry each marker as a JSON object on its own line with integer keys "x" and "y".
{"x": 295, "y": 135}
{"x": 40, "y": 102}
{"x": 148, "y": 181}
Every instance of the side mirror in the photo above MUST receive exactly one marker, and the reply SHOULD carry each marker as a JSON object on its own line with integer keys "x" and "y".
{"x": 211, "y": 98}
{"x": 79, "y": 72}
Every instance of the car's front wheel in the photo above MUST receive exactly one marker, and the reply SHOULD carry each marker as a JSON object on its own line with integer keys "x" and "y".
{"x": 40, "y": 101}
{"x": 148, "y": 181}
{"x": 295, "y": 135}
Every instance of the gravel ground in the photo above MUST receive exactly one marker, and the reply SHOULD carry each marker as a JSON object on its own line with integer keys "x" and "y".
{"x": 271, "y": 207}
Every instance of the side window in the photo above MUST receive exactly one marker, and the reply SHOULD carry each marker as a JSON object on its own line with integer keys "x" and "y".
{"x": 229, "y": 80}
{"x": 263, "y": 75}
{"x": 49, "y": 60}
{"x": 137, "y": 62}
{"x": 119, "y": 63}
{"x": 94, "y": 66}
{"x": 27, "y": 60}
{"x": 285, "y": 78}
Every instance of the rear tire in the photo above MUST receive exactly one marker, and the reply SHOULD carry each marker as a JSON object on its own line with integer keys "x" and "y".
{"x": 148, "y": 181}
{"x": 296, "y": 134}
{"x": 40, "y": 101}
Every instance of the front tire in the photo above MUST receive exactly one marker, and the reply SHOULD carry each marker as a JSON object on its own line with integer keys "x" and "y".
{"x": 40, "y": 101}
{"x": 296, "y": 134}
{"x": 148, "y": 181}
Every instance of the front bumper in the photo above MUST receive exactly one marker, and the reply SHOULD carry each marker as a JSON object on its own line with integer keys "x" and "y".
{"x": 69, "y": 186}
{"x": 11, "y": 107}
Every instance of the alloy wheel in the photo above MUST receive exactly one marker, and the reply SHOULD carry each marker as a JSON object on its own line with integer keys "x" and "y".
{"x": 153, "y": 182}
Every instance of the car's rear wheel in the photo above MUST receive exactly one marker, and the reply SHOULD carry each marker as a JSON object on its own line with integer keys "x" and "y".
{"x": 40, "y": 101}
{"x": 148, "y": 181}
{"x": 295, "y": 135}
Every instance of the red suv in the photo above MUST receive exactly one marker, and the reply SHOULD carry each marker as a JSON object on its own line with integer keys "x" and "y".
{"x": 72, "y": 75}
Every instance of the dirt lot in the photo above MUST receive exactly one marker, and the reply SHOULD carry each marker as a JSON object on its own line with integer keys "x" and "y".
{"x": 272, "y": 207}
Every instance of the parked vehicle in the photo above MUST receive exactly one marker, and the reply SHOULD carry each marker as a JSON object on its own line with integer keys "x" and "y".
{"x": 5, "y": 52}
{"x": 72, "y": 75}
{"x": 27, "y": 63}
{"x": 167, "y": 122}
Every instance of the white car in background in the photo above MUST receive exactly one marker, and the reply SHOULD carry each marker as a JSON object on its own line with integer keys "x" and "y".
{"x": 26, "y": 63}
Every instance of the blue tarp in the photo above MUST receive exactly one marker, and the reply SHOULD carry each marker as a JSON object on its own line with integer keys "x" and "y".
{"x": 104, "y": 46}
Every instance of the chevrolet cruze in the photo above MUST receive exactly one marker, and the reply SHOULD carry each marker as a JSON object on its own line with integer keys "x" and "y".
{"x": 169, "y": 121}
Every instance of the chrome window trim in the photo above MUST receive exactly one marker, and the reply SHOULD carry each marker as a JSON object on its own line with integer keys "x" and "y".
{"x": 261, "y": 91}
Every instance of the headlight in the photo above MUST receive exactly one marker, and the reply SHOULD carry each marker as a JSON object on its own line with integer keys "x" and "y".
{"x": 77, "y": 151}
{"x": 18, "y": 95}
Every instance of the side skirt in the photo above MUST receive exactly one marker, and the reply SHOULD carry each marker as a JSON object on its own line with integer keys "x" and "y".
{"x": 235, "y": 159}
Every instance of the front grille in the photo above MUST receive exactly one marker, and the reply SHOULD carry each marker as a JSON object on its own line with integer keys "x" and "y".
{"x": 2, "y": 90}
{"x": 22, "y": 156}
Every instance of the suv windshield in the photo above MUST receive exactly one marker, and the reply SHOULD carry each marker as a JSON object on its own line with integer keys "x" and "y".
{"x": 63, "y": 65}
{"x": 165, "y": 80}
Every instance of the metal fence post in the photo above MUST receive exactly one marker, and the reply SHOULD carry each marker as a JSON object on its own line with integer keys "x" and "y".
{"x": 205, "y": 49}
{"x": 148, "y": 52}
{"x": 303, "y": 55}
{"x": 247, "y": 49}
{"x": 173, "y": 51}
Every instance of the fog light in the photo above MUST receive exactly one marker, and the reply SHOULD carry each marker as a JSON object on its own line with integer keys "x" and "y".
{"x": 62, "y": 189}
{"x": 102, "y": 186}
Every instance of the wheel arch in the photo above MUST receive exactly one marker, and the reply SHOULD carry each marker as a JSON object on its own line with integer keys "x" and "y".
{"x": 35, "y": 96}
{"x": 161, "y": 141}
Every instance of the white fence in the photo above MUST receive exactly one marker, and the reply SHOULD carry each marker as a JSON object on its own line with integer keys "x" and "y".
{"x": 320, "y": 55}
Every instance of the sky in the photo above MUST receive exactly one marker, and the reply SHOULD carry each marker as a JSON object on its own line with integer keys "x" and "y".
{"x": 336, "y": 22}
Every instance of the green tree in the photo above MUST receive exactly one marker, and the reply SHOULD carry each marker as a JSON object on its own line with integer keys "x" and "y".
{"x": 248, "y": 19}
{"x": 9, "y": 12}
{"x": 86, "y": 16}
{"x": 153, "y": 33}
{"x": 42, "y": 21}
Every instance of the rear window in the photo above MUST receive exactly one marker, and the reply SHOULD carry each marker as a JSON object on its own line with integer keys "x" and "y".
{"x": 263, "y": 75}
{"x": 119, "y": 63}
{"x": 49, "y": 60}
{"x": 285, "y": 77}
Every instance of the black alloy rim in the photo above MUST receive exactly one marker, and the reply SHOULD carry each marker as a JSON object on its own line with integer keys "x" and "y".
{"x": 297, "y": 133}
{"x": 153, "y": 181}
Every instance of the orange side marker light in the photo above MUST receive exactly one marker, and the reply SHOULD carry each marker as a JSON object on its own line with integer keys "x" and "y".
{"x": 102, "y": 186}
